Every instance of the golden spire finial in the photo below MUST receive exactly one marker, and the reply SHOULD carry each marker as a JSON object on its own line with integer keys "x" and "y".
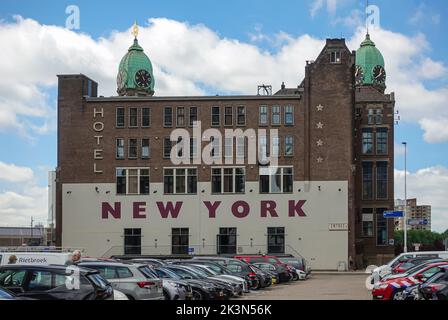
{"x": 135, "y": 29}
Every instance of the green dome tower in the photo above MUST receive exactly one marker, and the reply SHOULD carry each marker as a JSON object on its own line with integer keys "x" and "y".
{"x": 135, "y": 74}
{"x": 370, "y": 67}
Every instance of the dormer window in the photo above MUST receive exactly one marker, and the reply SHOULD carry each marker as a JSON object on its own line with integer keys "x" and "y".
{"x": 335, "y": 57}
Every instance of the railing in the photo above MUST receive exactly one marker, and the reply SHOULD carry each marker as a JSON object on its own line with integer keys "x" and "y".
{"x": 193, "y": 249}
{"x": 40, "y": 249}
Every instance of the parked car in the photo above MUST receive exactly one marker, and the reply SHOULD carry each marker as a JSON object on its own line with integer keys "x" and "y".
{"x": 202, "y": 289}
{"x": 280, "y": 271}
{"x": 238, "y": 283}
{"x": 265, "y": 278}
{"x": 218, "y": 270}
{"x": 436, "y": 288}
{"x": 130, "y": 279}
{"x": 299, "y": 264}
{"x": 172, "y": 289}
{"x": 405, "y": 265}
{"x": 251, "y": 259}
{"x": 50, "y": 283}
{"x": 393, "y": 288}
{"x": 5, "y": 294}
{"x": 237, "y": 267}
{"x": 380, "y": 272}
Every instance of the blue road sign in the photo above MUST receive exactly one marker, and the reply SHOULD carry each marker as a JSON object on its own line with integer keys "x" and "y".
{"x": 418, "y": 222}
{"x": 393, "y": 214}
{"x": 190, "y": 250}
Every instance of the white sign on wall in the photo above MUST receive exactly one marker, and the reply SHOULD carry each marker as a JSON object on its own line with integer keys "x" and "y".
{"x": 338, "y": 226}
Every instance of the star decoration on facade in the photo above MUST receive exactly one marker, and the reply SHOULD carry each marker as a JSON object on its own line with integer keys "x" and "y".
{"x": 320, "y": 143}
{"x": 320, "y": 107}
{"x": 320, "y": 160}
{"x": 320, "y": 125}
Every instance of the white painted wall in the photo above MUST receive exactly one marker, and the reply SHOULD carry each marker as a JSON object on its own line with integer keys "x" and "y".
{"x": 84, "y": 227}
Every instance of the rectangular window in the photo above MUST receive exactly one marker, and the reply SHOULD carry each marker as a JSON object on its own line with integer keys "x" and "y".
{"x": 167, "y": 147}
{"x": 168, "y": 117}
{"x": 375, "y": 116}
{"x": 280, "y": 181}
{"x": 216, "y": 116}
{"x": 276, "y": 240}
{"x": 228, "y": 180}
{"x": 289, "y": 146}
{"x": 289, "y": 115}
{"x": 120, "y": 117}
{"x": 241, "y": 116}
{"x": 132, "y": 152}
{"x": 276, "y": 116}
{"x": 145, "y": 148}
{"x": 381, "y": 180}
{"x": 367, "y": 222}
{"x": 379, "y": 116}
{"x": 381, "y": 141}
{"x": 180, "y": 116}
{"x": 180, "y": 180}
{"x": 227, "y": 241}
{"x": 133, "y": 117}
{"x": 132, "y": 181}
{"x": 335, "y": 57}
{"x": 263, "y": 120}
{"x": 263, "y": 148}
{"x": 367, "y": 141}
{"x": 146, "y": 117}
{"x": 381, "y": 228}
{"x": 179, "y": 240}
{"x": 193, "y": 116}
{"x": 228, "y": 116}
{"x": 133, "y": 241}
{"x": 367, "y": 181}
{"x": 120, "y": 148}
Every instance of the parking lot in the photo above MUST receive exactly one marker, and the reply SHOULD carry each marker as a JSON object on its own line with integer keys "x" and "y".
{"x": 317, "y": 287}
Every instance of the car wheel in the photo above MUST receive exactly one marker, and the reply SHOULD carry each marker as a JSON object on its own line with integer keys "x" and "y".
{"x": 257, "y": 286}
{"x": 398, "y": 295}
{"x": 166, "y": 295}
{"x": 197, "y": 295}
{"x": 295, "y": 276}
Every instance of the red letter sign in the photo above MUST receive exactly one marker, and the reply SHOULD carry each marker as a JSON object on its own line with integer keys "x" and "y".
{"x": 296, "y": 208}
{"x": 268, "y": 206}
{"x": 169, "y": 209}
{"x": 114, "y": 212}
{"x": 240, "y": 204}
{"x": 137, "y": 208}
{"x": 212, "y": 208}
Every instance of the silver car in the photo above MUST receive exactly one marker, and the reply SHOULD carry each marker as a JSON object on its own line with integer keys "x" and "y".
{"x": 129, "y": 279}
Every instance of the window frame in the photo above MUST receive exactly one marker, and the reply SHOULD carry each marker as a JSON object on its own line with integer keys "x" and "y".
{"x": 148, "y": 116}
{"x": 124, "y": 117}
{"x": 131, "y": 116}
{"x": 231, "y": 115}
{"x": 186, "y": 178}
{"x": 285, "y": 113}
{"x": 165, "y": 125}
{"x": 129, "y": 148}
{"x": 238, "y": 108}
{"x": 139, "y": 176}
{"x": 274, "y": 114}
{"x": 214, "y": 124}
{"x": 282, "y": 179}
{"x": 117, "y": 146}
{"x": 180, "y": 116}
{"x": 222, "y": 176}
{"x": 149, "y": 148}
{"x": 260, "y": 113}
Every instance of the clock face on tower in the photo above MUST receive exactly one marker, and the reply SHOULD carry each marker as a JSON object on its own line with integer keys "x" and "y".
{"x": 143, "y": 78}
{"x": 379, "y": 74}
{"x": 359, "y": 75}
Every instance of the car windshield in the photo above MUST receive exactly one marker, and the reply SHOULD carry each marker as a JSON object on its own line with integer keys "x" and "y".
{"x": 209, "y": 270}
{"x": 199, "y": 271}
{"x": 436, "y": 277}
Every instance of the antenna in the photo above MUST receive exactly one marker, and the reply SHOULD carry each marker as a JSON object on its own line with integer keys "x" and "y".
{"x": 365, "y": 13}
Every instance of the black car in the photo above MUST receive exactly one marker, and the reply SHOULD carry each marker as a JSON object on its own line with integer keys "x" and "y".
{"x": 265, "y": 278}
{"x": 5, "y": 294}
{"x": 436, "y": 287}
{"x": 55, "y": 283}
{"x": 284, "y": 275}
{"x": 202, "y": 290}
{"x": 218, "y": 268}
{"x": 236, "y": 267}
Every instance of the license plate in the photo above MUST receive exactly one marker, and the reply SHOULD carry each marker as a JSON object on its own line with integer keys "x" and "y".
{"x": 274, "y": 280}
{"x": 221, "y": 294}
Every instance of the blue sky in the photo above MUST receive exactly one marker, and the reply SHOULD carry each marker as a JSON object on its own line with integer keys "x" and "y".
{"x": 269, "y": 27}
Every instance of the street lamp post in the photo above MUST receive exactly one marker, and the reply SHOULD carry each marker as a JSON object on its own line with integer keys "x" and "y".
{"x": 405, "y": 216}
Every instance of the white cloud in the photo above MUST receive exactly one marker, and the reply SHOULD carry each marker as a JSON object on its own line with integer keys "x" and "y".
{"x": 436, "y": 130}
{"x": 423, "y": 14}
{"x": 11, "y": 173}
{"x": 429, "y": 186}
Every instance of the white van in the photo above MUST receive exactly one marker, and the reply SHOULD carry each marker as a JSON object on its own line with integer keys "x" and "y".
{"x": 386, "y": 269}
{"x": 35, "y": 258}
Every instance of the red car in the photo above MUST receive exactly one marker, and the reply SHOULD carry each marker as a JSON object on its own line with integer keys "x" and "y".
{"x": 391, "y": 287}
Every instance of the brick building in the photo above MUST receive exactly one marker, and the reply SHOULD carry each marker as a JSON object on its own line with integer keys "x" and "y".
{"x": 120, "y": 188}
